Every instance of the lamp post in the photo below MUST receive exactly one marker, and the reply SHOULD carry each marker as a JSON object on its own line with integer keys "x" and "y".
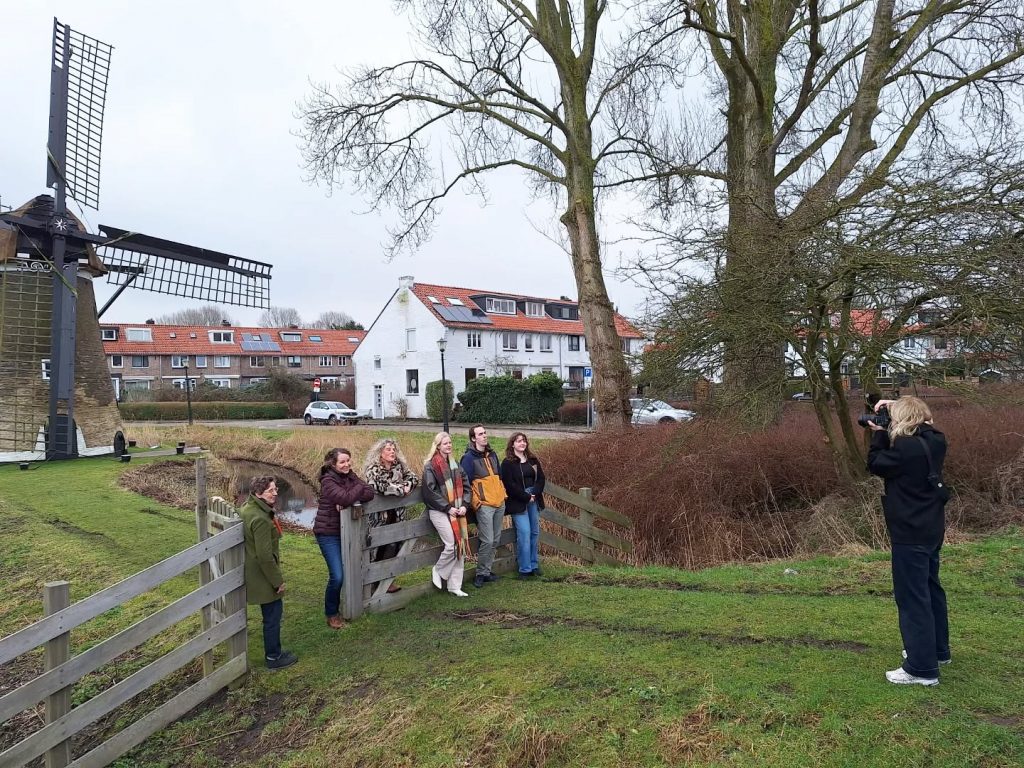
{"x": 441, "y": 344}
{"x": 188, "y": 392}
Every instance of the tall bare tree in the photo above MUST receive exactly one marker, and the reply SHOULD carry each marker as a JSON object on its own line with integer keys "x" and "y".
{"x": 337, "y": 320}
{"x": 814, "y": 105}
{"x": 280, "y": 317}
{"x": 208, "y": 314}
{"x": 547, "y": 87}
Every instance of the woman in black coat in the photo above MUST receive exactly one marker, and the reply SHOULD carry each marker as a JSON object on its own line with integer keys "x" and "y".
{"x": 524, "y": 483}
{"x": 909, "y": 455}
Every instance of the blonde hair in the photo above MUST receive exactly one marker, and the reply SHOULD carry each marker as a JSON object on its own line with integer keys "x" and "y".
{"x": 908, "y": 413}
{"x": 373, "y": 455}
{"x": 435, "y": 445}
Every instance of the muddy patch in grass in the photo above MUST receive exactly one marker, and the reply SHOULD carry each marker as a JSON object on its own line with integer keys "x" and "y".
{"x": 507, "y": 620}
{"x": 66, "y": 527}
{"x": 694, "y": 739}
{"x": 1015, "y": 722}
{"x": 595, "y": 580}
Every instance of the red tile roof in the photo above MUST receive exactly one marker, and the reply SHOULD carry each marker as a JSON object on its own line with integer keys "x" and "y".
{"x": 516, "y": 322}
{"x": 334, "y": 342}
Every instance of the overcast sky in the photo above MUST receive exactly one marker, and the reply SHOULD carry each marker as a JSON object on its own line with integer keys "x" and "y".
{"x": 199, "y": 146}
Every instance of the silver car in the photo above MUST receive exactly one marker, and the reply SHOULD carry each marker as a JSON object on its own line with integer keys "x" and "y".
{"x": 657, "y": 412}
{"x": 330, "y": 412}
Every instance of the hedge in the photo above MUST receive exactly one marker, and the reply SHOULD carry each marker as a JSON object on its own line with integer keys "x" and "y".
{"x": 435, "y": 399}
{"x": 202, "y": 410}
{"x": 505, "y": 400}
{"x": 573, "y": 413}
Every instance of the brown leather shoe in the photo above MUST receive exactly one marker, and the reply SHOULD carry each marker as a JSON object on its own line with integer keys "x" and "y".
{"x": 394, "y": 588}
{"x": 335, "y": 622}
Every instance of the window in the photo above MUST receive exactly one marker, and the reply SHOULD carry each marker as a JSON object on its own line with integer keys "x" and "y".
{"x": 509, "y": 340}
{"x": 534, "y": 309}
{"x": 625, "y": 346}
{"x": 200, "y": 361}
{"x": 116, "y": 361}
{"x": 433, "y": 300}
{"x": 221, "y": 361}
{"x": 329, "y": 380}
{"x": 547, "y": 370}
{"x": 275, "y": 361}
{"x": 140, "y": 361}
{"x": 257, "y": 361}
{"x": 455, "y": 302}
{"x": 412, "y": 382}
{"x": 473, "y": 340}
{"x": 222, "y": 337}
{"x": 908, "y": 343}
{"x": 517, "y": 373}
{"x": 45, "y": 366}
{"x": 574, "y": 343}
{"x": 110, "y": 334}
{"x": 257, "y": 380}
{"x": 528, "y": 342}
{"x": 139, "y": 334}
{"x": 294, "y": 361}
{"x": 136, "y": 385}
{"x": 291, "y": 336}
{"x": 222, "y": 383}
{"x": 192, "y": 335}
{"x": 180, "y": 383}
{"x": 545, "y": 342}
{"x": 178, "y": 361}
{"x": 172, "y": 335}
{"x": 376, "y": 363}
{"x": 410, "y": 340}
{"x": 257, "y": 337}
{"x": 325, "y": 361}
{"x": 501, "y": 306}
{"x": 316, "y": 338}
{"x": 342, "y": 360}
{"x": 940, "y": 342}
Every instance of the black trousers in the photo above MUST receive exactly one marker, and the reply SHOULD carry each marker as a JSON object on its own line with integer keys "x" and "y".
{"x": 272, "y": 613}
{"x": 921, "y": 601}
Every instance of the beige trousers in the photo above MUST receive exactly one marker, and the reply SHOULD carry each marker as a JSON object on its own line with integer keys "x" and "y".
{"x": 449, "y": 567}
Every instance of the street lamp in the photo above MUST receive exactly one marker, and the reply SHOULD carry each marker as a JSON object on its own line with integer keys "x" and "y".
{"x": 188, "y": 393}
{"x": 441, "y": 344}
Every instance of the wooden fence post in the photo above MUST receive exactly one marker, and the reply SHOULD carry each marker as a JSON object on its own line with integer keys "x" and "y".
{"x": 587, "y": 518}
{"x": 353, "y": 534}
{"x": 56, "y": 597}
{"x": 205, "y": 573}
{"x": 234, "y": 601}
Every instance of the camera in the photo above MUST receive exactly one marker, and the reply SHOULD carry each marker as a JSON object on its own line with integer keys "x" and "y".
{"x": 879, "y": 419}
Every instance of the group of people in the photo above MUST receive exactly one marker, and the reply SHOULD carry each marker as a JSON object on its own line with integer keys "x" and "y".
{"x": 480, "y": 489}
{"x": 906, "y": 451}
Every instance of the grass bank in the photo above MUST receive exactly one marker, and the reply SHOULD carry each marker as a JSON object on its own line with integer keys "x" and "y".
{"x": 737, "y": 665}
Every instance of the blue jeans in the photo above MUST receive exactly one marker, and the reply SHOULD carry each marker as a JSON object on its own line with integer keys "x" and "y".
{"x": 272, "y": 628}
{"x": 527, "y": 532}
{"x": 330, "y": 548}
{"x": 921, "y": 601}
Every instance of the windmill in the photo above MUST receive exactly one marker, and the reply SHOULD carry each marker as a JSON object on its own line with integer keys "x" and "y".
{"x": 51, "y": 354}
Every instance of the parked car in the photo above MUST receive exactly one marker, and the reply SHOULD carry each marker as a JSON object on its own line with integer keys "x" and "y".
{"x": 657, "y": 412}
{"x": 330, "y": 412}
{"x": 807, "y": 397}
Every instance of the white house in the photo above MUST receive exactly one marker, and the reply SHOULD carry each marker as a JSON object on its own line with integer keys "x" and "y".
{"x": 486, "y": 333}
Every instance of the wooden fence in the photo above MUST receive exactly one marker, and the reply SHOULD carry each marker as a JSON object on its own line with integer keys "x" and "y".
{"x": 61, "y": 671}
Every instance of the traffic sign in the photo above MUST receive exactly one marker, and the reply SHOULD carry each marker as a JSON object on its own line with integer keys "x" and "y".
{"x": 588, "y": 373}
{"x": 316, "y": 384}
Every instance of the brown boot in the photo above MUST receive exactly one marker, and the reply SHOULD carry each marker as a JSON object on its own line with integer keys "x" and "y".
{"x": 394, "y": 588}
{"x": 335, "y": 622}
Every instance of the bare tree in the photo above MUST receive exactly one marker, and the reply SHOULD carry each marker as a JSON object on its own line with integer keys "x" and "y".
{"x": 208, "y": 314}
{"x": 280, "y": 317}
{"x": 337, "y": 320}
{"x": 814, "y": 106}
{"x": 543, "y": 87}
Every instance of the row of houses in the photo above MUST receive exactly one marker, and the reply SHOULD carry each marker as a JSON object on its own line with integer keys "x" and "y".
{"x": 483, "y": 332}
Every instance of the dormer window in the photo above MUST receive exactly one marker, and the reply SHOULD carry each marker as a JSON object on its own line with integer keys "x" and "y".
{"x": 286, "y": 336}
{"x": 139, "y": 334}
{"x": 222, "y": 337}
{"x": 534, "y": 309}
{"x": 110, "y": 334}
{"x": 501, "y": 306}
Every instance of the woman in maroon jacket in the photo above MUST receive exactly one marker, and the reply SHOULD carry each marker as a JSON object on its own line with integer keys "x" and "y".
{"x": 339, "y": 488}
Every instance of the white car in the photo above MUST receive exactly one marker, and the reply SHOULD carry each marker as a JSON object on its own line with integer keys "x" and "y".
{"x": 330, "y": 412}
{"x": 657, "y": 412}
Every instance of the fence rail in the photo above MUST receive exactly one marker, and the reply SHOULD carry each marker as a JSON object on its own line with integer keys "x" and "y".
{"x": 55, "y": 684}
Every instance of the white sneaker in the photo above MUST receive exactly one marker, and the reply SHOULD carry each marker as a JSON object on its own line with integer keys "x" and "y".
{"x": 942, "y": 662}
{"x": 460, "y": 593}
{"x": 435, "y": 577}
{"x": 901, "y": 677}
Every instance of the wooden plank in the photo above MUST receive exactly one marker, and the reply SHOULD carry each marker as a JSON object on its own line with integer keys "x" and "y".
{"x": 408, "y": 529}
{"x": 203, "y": 533}
{"x": 413, "y": 562}
{"x": 161, "y": 717}
{"x": 34, "y": 635}
{"x": 353, "y": 536}
{"x": 234, "y": 601}
{"x": 380, "y": 502}
{"x": 392, "y": 602}
{"x": 591, "y": 506}
{"x": 574, "y": 549}
{"x": 587, "y": 519}
{"x": 104, "y": 703}
{"x": 559, "y": 518}
{"x": 57, "y": 597}
{"x": 88, "y": 661}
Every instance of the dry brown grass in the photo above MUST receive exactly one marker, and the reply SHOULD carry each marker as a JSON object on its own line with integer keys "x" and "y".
{"x": 693, "y": 739}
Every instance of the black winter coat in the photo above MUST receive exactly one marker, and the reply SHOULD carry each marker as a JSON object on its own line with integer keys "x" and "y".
{"x": 914, "y": 512}
{"x": 338, "y": 490}
{"x": 512, "y": 476}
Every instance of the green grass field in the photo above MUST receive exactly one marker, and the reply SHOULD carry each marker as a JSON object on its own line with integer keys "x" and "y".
{"x": 734, "y": 666}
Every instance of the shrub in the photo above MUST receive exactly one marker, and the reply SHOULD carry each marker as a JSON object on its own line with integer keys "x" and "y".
{"x": 202, "y": 410}
{"x": 505, "y": 400}
{"x": 573, "y": 413}
{"x": 436, "y": 399}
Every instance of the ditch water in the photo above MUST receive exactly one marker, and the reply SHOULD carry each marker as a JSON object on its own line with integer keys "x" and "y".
{"x": 296, "y": 499}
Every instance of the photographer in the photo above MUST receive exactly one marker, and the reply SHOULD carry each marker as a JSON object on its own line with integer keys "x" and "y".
{"x": 909, "y": 455}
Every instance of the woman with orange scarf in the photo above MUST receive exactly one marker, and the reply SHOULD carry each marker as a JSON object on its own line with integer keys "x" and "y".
{"x": 446, "y": 495}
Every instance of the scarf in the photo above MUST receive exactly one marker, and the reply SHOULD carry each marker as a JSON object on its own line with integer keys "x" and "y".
{"x": 452, "y": 478}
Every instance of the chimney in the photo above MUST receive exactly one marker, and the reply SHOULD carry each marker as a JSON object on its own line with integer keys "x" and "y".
{"x": 293, "y": 327}
{"x": 151, "y": 321}
{"x": 564, "y": 298}
{"x": 406, "y": 281}
{"x": 226, "y": 323}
